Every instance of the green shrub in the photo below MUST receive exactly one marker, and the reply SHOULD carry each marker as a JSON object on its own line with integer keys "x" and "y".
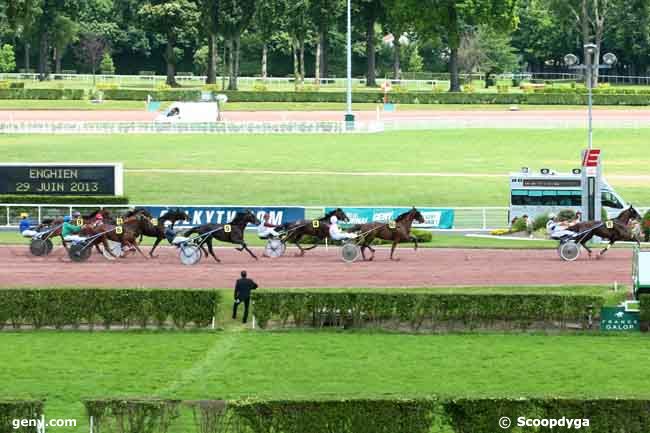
{"x": 566, "y": 215}
{"x": 11, "y": 410}
{"x": 158, "y": 95}
{"x": 260, "y": 87}
{"x": 540, "y": 222}
{"x": 390, "y": 310}
{"x": 62, "y": 199}
{"x": 126, "y": 307}
{"x": 57, "y": 93}
{"x": 106, "y": 66}
{"x": 107, "y": 86}
{"x": 16, "y": 85}
{"x": 519, "y": 225}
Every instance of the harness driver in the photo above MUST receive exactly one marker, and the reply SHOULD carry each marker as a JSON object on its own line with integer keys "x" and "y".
{"x": 336, "y": 233}
{"x": 266, "y": 229}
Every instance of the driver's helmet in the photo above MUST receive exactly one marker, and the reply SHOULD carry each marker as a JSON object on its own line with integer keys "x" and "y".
{"x": 66, "y": 219}
{"x": 266, "y": 216}
{"x": 333, "y": 219}
{"x": 76, "y": 214}
{"x": 552, "y": 216}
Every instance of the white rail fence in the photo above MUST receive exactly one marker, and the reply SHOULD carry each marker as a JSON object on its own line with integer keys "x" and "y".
{"x": 334, "y": 82}
{"x": 465, "y": 218}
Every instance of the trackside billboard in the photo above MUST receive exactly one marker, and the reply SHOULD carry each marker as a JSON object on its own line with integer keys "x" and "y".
{"x": 224, "y": 214}
{"x": 434, "y": 218}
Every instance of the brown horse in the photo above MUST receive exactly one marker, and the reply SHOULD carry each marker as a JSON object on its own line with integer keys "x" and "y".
{"x": 125, "y": 233}
{"x": 233, "y": 232}
{"x": 614, "y": 230}
{"x": 55, "y": 225}
{"x": 396, "y": 231}
{"x": 146, "y": 226}
{"x": 318, "y": 228}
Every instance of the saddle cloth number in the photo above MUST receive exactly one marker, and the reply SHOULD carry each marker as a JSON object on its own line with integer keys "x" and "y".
{"x": 315, "y": 224}
{"x": 119, "y": 230}
{"x": 227, "y": 228}
{"x": 79, "y": 222}
{"x": 392, "y": 225}
{"x": 119, "y": 221}
{"x": 154, "y": 221}
{"x": 609, "y": 224}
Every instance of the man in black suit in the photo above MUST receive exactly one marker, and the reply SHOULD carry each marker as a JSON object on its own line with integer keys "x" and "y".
{"x": 243, "y": 289}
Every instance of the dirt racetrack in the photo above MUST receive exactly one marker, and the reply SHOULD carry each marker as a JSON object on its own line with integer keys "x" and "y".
{"x": 319, "y": 268}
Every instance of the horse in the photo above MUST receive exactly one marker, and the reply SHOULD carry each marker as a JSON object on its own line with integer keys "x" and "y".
{"x": 614, "y": 230}
{"x": 158, "y": 231}
{"x": 397, "y": 231}
{"x": 130, "y": 232}
{"x": 318, "y": 228}
{"x": 233, "y": 232}
{"x": 56, "y": 225}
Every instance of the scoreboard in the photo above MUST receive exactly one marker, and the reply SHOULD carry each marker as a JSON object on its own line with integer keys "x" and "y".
{"x": 61, "y": 179}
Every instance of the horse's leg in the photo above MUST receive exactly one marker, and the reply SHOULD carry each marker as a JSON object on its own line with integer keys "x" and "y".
{"x": 155, "y": 244}
{"x": 245, "y": 247}
{"x": 392, "y": 250}
{"x": 108, "y": 250}
{"x": 372, "y": 250}
{"x": 209, "y": 242}
{"x": 363, "y": 254}
{"x": 415, "y": 241}
{"x": 296, "y": 242}
{"x": 604, "y": 250}
{"x": 64, "y": 243}
{"x": 137, "y": 248}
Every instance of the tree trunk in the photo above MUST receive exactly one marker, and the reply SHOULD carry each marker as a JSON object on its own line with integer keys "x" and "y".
{"x": 371, "y": 76}
{"x": 454, "y": 43}
{"x": 43, "y": 56}
{"x": 28, "y": 46}
{"x": 317, "y": 68}
{"x": 58, "y": 53}
{"x": 302, "y": 61}
{"x": 324, "y": 70}
{"x": 265, "y": 53}
{"x": 231, "y": 65}
{"x": 396, "y": 58}
{"x": 237, "y": 57}
{"x": 454, "y": 84}
{"x": 171, "y": 64}
{"x": 296, "y": 66}
{"x": 212, "y": 60}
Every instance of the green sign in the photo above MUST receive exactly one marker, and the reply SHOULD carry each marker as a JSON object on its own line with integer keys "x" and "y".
{"x": 617, "y": 319}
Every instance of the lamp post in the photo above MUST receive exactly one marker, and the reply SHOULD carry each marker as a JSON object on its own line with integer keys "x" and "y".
{"x": 589, "y": 67}
{"x": 349, "y": 117}
{"x": 591, "y": 167}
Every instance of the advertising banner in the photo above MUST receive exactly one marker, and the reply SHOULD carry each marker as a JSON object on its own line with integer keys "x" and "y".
{"x": 435, "y": 218}
{"x": 224, "y": 214}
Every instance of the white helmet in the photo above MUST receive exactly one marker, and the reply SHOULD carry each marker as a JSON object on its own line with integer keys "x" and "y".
{"x": 551, "y": 216}
{"x": 333, "y": 219}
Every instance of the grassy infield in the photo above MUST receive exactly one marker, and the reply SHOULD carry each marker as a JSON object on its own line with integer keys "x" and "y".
{"x": 66, "y": 366}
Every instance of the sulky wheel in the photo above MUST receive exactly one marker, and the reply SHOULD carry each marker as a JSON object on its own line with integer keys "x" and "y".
{"x": 274, "y": 248}
{"x": 79, "y": 252}
{"x": 569, "y": 251}
{"x": 50, "y": 246}
{"x": 190, "y": 254}
{"x": 350, "y": 252}
{"x": 38, "y": 247}
{"x": 115, "y": 248}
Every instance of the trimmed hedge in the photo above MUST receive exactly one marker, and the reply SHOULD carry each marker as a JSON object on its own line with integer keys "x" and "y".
{"x": 123, "y": 307}
{"x": 21, "y": 93}
{"x": 644, "y": 307}
{"x": 62, "y": 199}
{"x": 421, "y": 311}
{"x": 11, "y": 410}
{"x": 159, "y": 95}
{"x": 389, "y": 415}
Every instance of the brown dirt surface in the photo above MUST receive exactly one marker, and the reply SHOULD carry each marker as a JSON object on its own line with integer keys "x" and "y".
{"x": 318, "y": 268}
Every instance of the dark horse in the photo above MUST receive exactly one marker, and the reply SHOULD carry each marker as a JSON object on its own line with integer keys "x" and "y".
{"x": 147, "y": 227}
{"x": 613, "y": 230}
{"x": 397, "y": 231}
{"x": 233, "y": 232}
{"x": 55, "y": 225}
{"x": 319, "y": 228}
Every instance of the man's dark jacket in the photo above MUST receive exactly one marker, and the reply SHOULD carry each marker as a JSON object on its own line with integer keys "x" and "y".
{"x": 244, "y": 287}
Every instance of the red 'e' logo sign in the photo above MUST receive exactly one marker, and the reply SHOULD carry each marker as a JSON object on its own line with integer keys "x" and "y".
{"x": 591, "y": 158}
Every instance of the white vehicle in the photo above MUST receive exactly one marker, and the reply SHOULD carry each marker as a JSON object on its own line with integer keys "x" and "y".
{"x": 543, "y": 192}
{"x": 190, "y": 112}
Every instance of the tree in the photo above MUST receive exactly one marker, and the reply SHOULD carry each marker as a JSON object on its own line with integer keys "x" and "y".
{"x": 371, "y": 11}
{"x": 397, "y": 20}
{"x": 209, "y": 10}
{"x": 235, "y": 17}
{"x": 268, "y": 20}
{"x": 106, "y": 65}
{"x": 448, "y": 17}
{"x": 64, "y": 33}
{"x": 90, "y": 51}
{"x": 485, "y": 50}
{"x": 298, "y": 25}
{"x": 7, "y": 58}
{"x": 323, "y": 14}
{"x": 23, "y": 16}
{"x": 173, "y": 20}
{"x": 629, "y": 35}
{"x": 416, "y": 63}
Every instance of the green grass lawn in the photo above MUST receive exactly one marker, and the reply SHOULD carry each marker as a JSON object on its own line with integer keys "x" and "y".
{"x": 495, "y": 152}
{"x": 67, "y": 366}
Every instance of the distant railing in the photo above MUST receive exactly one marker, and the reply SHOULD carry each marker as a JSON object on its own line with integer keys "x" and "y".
{"x": 465, "y": 218}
